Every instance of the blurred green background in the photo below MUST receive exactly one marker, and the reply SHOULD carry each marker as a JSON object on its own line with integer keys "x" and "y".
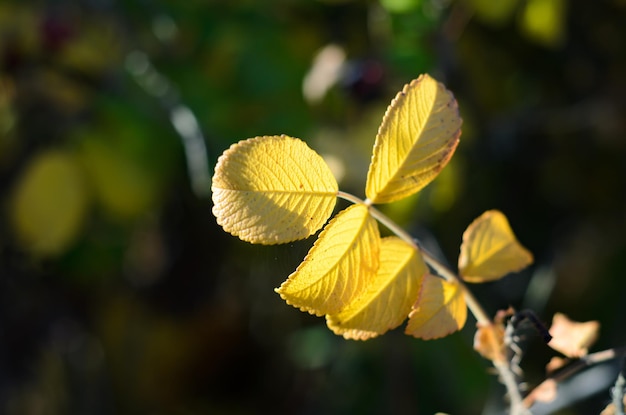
{"x": 119, "y": 294}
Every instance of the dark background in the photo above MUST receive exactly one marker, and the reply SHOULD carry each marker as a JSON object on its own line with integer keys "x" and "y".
{"x": 120, "y": 294}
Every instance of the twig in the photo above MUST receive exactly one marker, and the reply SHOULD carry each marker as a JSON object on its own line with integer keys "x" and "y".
{"x": 618, "y": 390}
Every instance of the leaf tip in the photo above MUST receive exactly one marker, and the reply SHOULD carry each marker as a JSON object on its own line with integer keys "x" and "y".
{"x": 335, "y": 326}
{"x": 408, "y": 155}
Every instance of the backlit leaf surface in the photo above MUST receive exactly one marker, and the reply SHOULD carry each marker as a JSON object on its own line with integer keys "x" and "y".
{"x": 339, "y": 267}
{"x": 416, "y": 139}
{"x": 389, "y": 297}
{"x": 490, "y": 250}
{"x": 440, "y": 309}
{"x": 272, "y": 189}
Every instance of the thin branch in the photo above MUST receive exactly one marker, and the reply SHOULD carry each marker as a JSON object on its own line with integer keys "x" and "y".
{"x": 618, "y": 391}
{"x": 507, "y": 377}
{"x": 349, "y": 197}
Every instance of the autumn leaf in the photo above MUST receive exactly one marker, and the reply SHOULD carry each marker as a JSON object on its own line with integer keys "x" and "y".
{"x": 416, "y": 139}
{"x": 490, "y": 250}
{"x": 489, "y": 339}
{"x": 387, "y": 300}
{"x": 489, "y": 342}
{"x": 572, "y": 338}
{"x": 339, "y": 267}
{"x": 272, "y": 189}
{"x": 439, "y": 311}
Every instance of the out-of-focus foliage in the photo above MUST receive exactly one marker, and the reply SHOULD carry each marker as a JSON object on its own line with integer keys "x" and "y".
{"x": 49, "y": 202}
{"x": 151, "y": 308}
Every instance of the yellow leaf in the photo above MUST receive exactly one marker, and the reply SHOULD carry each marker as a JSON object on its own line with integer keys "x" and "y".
{"x": 489, "y": 250}
{"x": 272, "y": 189}
{"x": 49, "y": 203}
{"x": 440, "y": 309}
{"x": 416, "y": 139}
{"x": 339, "y": 267}
{"x": 388, "y": 299}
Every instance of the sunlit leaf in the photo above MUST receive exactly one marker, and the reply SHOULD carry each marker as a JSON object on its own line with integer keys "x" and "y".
{"x": 490, "y": 250}
{"x": 440, "y": 309}
{"x": 272, "y": 189}
{"x": 389, "y": 297}
{"x": 49, "y": 203}
{"x": 339, "y": 267}
{"x": 572, "y": 338}
{"x": 416, "y": 139}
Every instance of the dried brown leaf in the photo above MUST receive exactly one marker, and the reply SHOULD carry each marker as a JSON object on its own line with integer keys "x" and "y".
{"x": 555, "y": 364}
{"x": 572, "y": 338}
{"x": 610, "y": 409}
{"x": 546, "y": 392}
{"x": 489, "y": 342}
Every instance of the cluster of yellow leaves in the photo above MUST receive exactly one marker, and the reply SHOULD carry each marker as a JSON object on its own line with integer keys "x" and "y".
{"x": 275, "y": 189}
